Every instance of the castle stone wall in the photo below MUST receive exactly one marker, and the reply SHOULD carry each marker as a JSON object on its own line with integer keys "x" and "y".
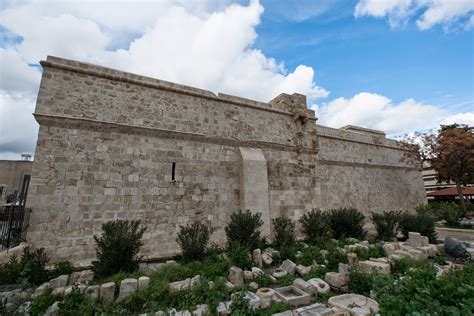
{"x": 108, "y": 141}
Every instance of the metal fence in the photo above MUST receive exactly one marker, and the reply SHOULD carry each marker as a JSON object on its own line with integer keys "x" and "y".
{"x": 14, "y": 218}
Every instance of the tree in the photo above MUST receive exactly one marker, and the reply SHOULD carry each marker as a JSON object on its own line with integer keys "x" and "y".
{"x": 450, "y": 152}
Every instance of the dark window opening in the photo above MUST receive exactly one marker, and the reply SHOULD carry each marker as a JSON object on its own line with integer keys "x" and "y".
{"x": 173, "y": 171}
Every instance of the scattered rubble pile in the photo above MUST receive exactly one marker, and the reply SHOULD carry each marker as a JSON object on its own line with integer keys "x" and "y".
{"x": 300, "y": 295}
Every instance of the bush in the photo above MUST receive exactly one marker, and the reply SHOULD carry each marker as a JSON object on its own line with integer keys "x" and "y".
{"x": 450, "y": 212}
{"x": 240, "y": 305}
{"x": 315, "y": 225}
{"x": 240, "y": 256}
{"x": 347, "y": 222}
{"x": 421, "y": 223}
{"x": 421, "y": 293}
{"x": 243, "y": 229}
{"x": 31, "y": 268}
{"x": 60, "y": 268}
{"x": 386, "y": 224}
{"x": 40, "y": 304}
{"x": 362, "y": 283}
{"x": 284, "y": 231}
{"x": 117, "y": 248}
{"x": 193, "y": 241}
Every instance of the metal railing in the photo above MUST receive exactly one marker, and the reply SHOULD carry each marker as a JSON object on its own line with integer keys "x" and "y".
{"x": 14, "y": 218}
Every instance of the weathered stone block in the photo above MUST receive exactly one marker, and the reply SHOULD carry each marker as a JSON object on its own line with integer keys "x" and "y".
{"x": 107, "y": 292}
{"x": 289, "y": 266}
{"x": 236, "y": 276}
{"x": 127, "y": 288}
{"x": 373, "y": 266}
{"x": 60, "y": 281}
{"x": 143, "y": 282}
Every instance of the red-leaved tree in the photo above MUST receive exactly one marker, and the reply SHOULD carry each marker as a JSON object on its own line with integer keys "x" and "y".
{"x": 450, "y": 152}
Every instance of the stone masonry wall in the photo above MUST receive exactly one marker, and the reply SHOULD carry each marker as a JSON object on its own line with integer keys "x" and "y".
{"x": 108, "y": 141}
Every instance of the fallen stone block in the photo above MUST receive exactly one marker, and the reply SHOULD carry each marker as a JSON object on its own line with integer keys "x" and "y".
{"x": 60, "y": 281}
{"x": 352, "y": 258}
{"x": 127, "y": 288}
{"x": 236, "y": 276}
{"x": 179, "y": 285}
{"x": 257, "y": 257}
{"x": 267, "y": 259}
{"x": 52, "y": 310}
{"x": 256, "y": 271}
{"x": 107, "y": 292}
{"x": 302, "y": 270}
{"x": 414, "y": 240}
{"x": 292, "y": 296}
{"x": 40, "y": 290}
{"x": 355, "y": 304}
{"x": 223, "y": 308}
{"x": 230, "y": 287}
{"x": 305, "y": 286}
{"x": 201, "y": 310}
{"x": 253, "y": 285}
{"x": 59, "y": 291}
{"x": 279, "y": 273}
{"x": 374, "y": 266}
{"x": 195, "y": 280}
{"x": 266, "y": 296}
{"x": 248, "y": 275}
{"x": 143, "y": 282}
{"x": 93, "y": 292}
{"x": 335, "y": 280}
{"x": 289, "y": 266}
{"x": 320, "y": 285}
{"x": 317, "y": 309}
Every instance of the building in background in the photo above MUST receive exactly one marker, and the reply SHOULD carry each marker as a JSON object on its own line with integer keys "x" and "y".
{"x": 12, "y": 173}
{"x": 445, "y": 191}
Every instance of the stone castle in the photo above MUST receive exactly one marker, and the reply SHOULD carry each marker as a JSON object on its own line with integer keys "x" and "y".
{"x": 114, "y": 145}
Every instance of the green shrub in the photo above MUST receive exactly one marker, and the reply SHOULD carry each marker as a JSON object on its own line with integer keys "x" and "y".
{"x": 334, "y": 257}
{"x": 288, "y": 252}
{"x": 239, "y": 255}
{"x": 450, "y": 212}
{"x": 243, "y": 229}
{"x": 263, "y": 280}
{"x": 420, "y": 293}
{"x": 317, "y": 272}
{"x": 346, "y": 222}
{"x": 362, "y": 283}
{"x": 315, "y": 226}
{"x": 421, "y": 223}
{"x": 118, "y": 247}
{"x": 284, "y": 231}
{"x": 240, "y": 305}
{"x": 60, "y": 268}
{"x": 193, "y": 240}
{"x": 10, "y": 272}
{"x": 310, "y": 254}
{"x": 278, "y": 307}
{"x": 40, "y": 304}
{"x": 386, "y": 224}
{"x": 31, "y": 268}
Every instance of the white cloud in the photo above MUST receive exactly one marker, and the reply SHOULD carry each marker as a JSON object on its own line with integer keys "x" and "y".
{"x": 207, "y": 44}
{"x": 18, "y": 129}
{"x": 15, "y": 74}
{"x": 379, "y": 112}
{"x": 433, "y": 12}
{"x": 460, "y": 118}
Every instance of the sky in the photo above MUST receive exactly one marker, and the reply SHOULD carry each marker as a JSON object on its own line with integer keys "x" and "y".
{"x": 400, "y": 66}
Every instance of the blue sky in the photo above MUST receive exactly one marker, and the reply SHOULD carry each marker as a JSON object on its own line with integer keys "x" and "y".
{"x": 399, "y": 66}
{"x": 365, "y": 54}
